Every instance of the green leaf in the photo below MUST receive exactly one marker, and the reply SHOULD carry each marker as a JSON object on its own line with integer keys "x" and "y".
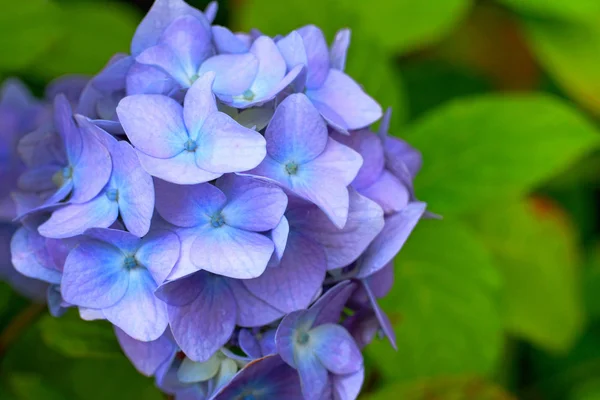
{"x": 406, "y": 25}
{"x": 588, "y": 391}
{"x": 570, "y": 53}
{"x": 445, "y": 388}
{"x": 444, "y": 307}
{"x": 592, "y": 284}
{"x": 398, "y": 26}
{"x": 92, "y": 33}
{"x": 482, "y": 150}
{"x": 74, "y": 378}
{"x": 27, "y": 29}
{"x": 33, "y": 387}
{"x": 571, "y": 9}
{"x": 74, "y": 337}
{"x": 535, "y": 248}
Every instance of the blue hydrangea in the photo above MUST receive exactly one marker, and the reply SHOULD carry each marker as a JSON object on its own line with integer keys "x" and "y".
{"x": 221, "y": 199}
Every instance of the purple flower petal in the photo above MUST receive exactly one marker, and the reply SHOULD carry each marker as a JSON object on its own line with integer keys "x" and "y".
{"x": 67, "y": 129}
{"x": 382, "y": 318}
{"x": 264, "y": 379}
{"x": 399, "y": 154}
{"x": 390, "y": 240}
{"x": 251, "y": 311}
{"x": 347, "y": 387}
{"x": 159, "y": 252}
{"x": 160, "y": 16}
{"x": 336, "y": 349}
{"x": 297, "y": 132}
{"x": 121, "y": 239}
{"x": 369, "y": 146}
{"x": 329, "y": 307}
{"x": 226, "y": 146}
{"x": 231, "y": 252}
{"x": 190, "y": 205}
{"x": 317, "y": 55}
{"x": 139, "y": 313}
{"x": 271, "y": 66}
{"x": 180, "y": 169}
{"x": 279, "y": 236}
{"x": 93, "y": 276}
{"x": 31, "y": 258}
{"x": 199, "y": 104}
{"x": 388, "y": 192}
{"x": 234, "y": 72}
{"x": 324, "y": 180}
{"x": 74, "y": 219}
{"x": 135, "y": 190}
{"x": 146, "y": 357}
{"x": 154, "y": 124}
{"x": 339, "y": 49}
{"x": 147, "y": 79}
{"x": 314, "y": 378}
{"x": 164, "y": 57}
{"x": 256, "y": 206}
{"x": 249, "y": 344}
{"x": 210, "y": 12}
{"x": 227, "y": 42}
{"x": 93, "y": 169}
{"x": 206, "y": 324}
{"x": 292, "y": 49}
{"x": 340, "y": 98}
{"x": 294, "y": 283}
{"x": 342, "y": 246}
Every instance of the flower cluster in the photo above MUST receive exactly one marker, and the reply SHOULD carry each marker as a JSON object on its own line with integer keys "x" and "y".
{"x": 219, "y": 198}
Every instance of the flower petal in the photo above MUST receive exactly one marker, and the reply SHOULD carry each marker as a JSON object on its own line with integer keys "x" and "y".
{"x": 251, "y": 311}
{"x": 231, "y": 252}
{"x": 203, "y": 326}
{"x": 336, "y": 349}
{"x": 226, "y": 146}
{"x": 340, "y": 98}
{"x": 74, "y": 219}
{"x": 199, "y": 104}
{"x": 347, "y": 387}
{"x": 342, "y": 246}
{"x": 234, "y": 72}
{"x": 192, "y": 372}
{"x": 227, "y": 42}
{"x": 159, "y": 252}
{"x": 317, "y": 55}
{"x": 294, "y": 283}
{"x": 94, "y": 276}
{"x": 146, "y": 357}
{"x": 154, "y": 124}
{"x": 339, "y": 49}
{"x": 31, "y": 258}
{"x": 297, "y": 132}
{"x": 188, "y": 205}
{"x": 180, "y": 169}
{"x": 391, "y": 239}
{"x": 135, "y": 189}
{"x": 271, "y": 66}
{"x": 252, "y": 205}
{"x": 388, "y": 192}
{"x": 139, "y": 313}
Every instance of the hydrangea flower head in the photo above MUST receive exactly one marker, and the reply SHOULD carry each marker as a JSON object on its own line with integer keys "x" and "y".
{"x": 221, "y": 199}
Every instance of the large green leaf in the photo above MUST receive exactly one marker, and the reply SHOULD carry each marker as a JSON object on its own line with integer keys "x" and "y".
{"x": 446, "y": 388}
{"x": 74, "y": 337}
{"x": 444, "y": 306}
{"x": 570, "y": 52}
{"x": 535, "y": 248}
{"x": 399, "y": 26}
{"x": 92, "y": 33}
{"x": 27, "y": 29}
{"x": 560, "y": 9}
{"x": 481, "y": 150}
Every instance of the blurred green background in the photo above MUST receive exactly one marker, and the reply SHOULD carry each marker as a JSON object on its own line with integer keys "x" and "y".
{"x": 500, "y": 299}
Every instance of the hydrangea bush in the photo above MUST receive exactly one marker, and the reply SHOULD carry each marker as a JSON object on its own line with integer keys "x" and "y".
{"x": 221, "y": 199}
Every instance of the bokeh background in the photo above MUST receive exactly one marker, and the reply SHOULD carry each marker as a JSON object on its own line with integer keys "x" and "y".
{"x": 501, "y": 298}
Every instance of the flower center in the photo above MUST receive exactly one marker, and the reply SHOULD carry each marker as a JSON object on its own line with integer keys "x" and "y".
{"x": 112, "y": 194}
{"x": 194, "y": 78}
{"x": 130, "y": 262}
{"x": 302, "y": 338}
{"x": 291, "y": 168}
{"x": 248, "y": 95}
{"x": 67, "y": 172}
{"x": 191, "y": 145}
{"x": 217, "y": 220}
